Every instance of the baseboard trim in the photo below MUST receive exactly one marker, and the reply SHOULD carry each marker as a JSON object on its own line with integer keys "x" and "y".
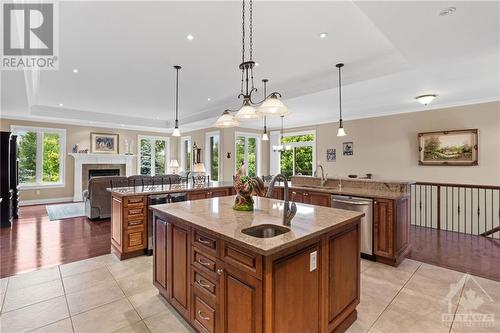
{"x": 44, "y": 201}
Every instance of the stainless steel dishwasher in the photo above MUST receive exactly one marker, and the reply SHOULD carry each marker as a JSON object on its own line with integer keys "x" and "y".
{"x": 363, "y": 205}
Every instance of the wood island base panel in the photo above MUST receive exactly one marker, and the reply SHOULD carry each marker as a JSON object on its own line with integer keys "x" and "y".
{"x": 222, "y": 280}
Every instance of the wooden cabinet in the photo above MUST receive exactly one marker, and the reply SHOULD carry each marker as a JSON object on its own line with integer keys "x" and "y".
{"x": 218, "y": 192}
{"x": 197, "y": 195}
{"x": 178, "y": 268}
{"x": 311, "y": 197}
{"x": 240, "y": 301}
{"x": 129, "y": 225}
{"x": 390, "y": 230}
{"x": 291, "y": 276}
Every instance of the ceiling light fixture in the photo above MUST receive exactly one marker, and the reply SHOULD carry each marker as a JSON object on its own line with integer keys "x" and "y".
{"x": 75, "y": 70}
{"x": 323, "y": 35}
{"x": 190, "y": 37}
{"x": 447, "y": 11}
{"x": 209, "y": 99}
{"x": 341, "y": 131}
{"x": 426, "y": 99}
{"x": 280, "y": 147}
{"x": 265, "y": 137}
{"x": 60, "y": 104}
{"x": 176, "y": 131}
{"x": 271, "y": 105}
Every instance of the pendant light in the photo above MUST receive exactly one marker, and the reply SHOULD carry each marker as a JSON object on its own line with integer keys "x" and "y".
{"x": 341, "y": 131}
{"x": 270, "y": 105}
{"x": 265, "y": 137}
{"x": 226, "y": 120}
{"x": 176, "y": 131}
{"x": 280, "y": 147}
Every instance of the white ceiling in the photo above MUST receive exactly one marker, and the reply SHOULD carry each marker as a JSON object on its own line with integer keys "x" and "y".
{"x": 125, "y": 50}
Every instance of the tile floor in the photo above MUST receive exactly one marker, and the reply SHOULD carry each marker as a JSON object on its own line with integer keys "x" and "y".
{"x": 102, "y": 294}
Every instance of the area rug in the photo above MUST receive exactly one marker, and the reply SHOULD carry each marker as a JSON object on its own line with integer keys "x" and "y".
{"x": 65, "y": 211}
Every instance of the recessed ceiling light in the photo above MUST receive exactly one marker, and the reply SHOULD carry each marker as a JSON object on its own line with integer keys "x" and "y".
{"x": 323, "y": 35}
{"x": 447, "y": 11}
{"x": 426, "y": 99}
{"x": 75, "y": 70}
{"x": 60, "y": 104}
{"x": 257, "y": 64}
{"x": 209, "y": 99}
{"x": 190, "y": 37}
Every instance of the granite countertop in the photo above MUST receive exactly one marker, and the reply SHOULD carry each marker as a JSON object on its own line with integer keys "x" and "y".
{"x": 357, "y": 192}
{"x": 162, "y": 189}
{"x": 216, "y": 216}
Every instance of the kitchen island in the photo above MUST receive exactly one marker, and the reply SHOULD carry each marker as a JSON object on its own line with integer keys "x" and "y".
{"x": 130, "y": 225}
{"x": 214, "y": 267}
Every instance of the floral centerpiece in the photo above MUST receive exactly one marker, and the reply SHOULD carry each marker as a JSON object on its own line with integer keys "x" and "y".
{"x": 245, "y": 187}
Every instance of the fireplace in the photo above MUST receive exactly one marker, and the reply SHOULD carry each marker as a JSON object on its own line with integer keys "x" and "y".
{"x": 103, "y": 172}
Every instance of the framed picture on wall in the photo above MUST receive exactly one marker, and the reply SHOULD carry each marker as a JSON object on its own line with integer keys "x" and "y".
{"x": 331, "y": 155}
{"x": 457, "y": 147}
{"x": 103, "y": 143}
{"x": 348, "y": 148}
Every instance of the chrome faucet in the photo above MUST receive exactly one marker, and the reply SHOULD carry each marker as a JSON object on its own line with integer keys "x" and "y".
{"x": 289, "y": 210}
{"x": 323, "y": 176}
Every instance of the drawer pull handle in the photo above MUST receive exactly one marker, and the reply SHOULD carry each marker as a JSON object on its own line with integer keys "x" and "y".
{"x": 202, "y": 316}
{"x": 204, "y": 241}
{"x": 132, "y": 223}
{"x": 135, "y": 211}
{"x": 204, "y": 262}
{"x": 220, "y": 271}
{"x": 203, "y": 284}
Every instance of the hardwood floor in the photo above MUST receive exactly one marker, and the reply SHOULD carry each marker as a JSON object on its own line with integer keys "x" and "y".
{"x": 464, "y": 253}
{"x": 35, "y": 242}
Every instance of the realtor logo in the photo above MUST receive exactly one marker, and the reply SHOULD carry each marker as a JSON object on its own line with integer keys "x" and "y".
{"x": 29, "y": 36}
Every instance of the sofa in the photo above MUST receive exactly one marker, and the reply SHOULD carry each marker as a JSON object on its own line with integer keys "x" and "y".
{"x": 98, "y": 200}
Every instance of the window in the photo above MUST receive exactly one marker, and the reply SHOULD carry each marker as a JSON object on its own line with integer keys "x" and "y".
{"x": 153, "y": 155}
{"x": 212, "y": 156}
{"x": 186, "y": 153}
{"x": 247, "y": 147}
{"x": 41, "y": 156}
{"x": 299, "y": 156}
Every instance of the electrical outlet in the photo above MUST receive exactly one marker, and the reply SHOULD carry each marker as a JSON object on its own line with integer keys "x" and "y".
{"x": 313, "y": 261}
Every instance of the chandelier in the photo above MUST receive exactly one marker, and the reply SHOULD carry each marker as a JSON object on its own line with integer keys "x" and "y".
{"x": 250, "y": 109}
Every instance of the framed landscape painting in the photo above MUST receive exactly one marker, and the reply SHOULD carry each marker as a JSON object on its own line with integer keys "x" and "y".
{"x": 102, "y": 143}
{"x": 457, "y": 147}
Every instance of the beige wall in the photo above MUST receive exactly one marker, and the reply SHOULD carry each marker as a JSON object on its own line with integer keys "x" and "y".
{"x": 388, "y": 147}
{"x": 227, "y": 136}
{"x": 81, "y": 135}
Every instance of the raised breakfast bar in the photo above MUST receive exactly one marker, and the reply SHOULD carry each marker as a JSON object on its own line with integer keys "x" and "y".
{"x": 232, "y": 271}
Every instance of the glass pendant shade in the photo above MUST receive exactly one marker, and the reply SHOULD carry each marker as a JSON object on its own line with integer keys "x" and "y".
{"x": 272, "y": 106}
{"x": 341, "y": 132}
{"x": 226, "y": 120}
{"x": 176, "y": 132}
{"x": 247, "y": 112}
{"x": 265, "y": 137}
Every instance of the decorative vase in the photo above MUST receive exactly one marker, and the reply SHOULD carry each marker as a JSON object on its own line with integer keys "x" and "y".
{"x": 244, "y": 187}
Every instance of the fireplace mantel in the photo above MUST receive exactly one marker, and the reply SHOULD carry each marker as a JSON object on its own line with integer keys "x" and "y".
{"x": 81, "y": 159}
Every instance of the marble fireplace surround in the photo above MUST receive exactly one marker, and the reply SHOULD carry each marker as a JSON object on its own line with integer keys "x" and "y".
{"x": 84, "y": 162}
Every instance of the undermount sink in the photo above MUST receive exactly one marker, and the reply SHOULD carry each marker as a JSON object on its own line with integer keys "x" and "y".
{"x": 265, "y": 231}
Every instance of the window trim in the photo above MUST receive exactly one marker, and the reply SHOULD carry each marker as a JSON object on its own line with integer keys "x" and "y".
{"x": 39, "y": 184}
{"x": 183, "y": 152}
{"x": 153, "y": 152}
{"x": 257, "y": 138}
{"x": 293, "y": 145}
{"x": 208, "y": 166}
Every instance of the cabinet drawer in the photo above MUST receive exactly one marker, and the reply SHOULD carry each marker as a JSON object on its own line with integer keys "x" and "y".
{"x": 135, "y": 209}
{"x": 203, "y": 262}
{"x": 130, "y": 201}
{"x": 135, "y": 222}
{"x": 246, "y": 261}
{"x": 205, "y": 242}
{"x": 202, "y": 282}
{"x": 135, "y": 240}
{"x": 204, "y": 315}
